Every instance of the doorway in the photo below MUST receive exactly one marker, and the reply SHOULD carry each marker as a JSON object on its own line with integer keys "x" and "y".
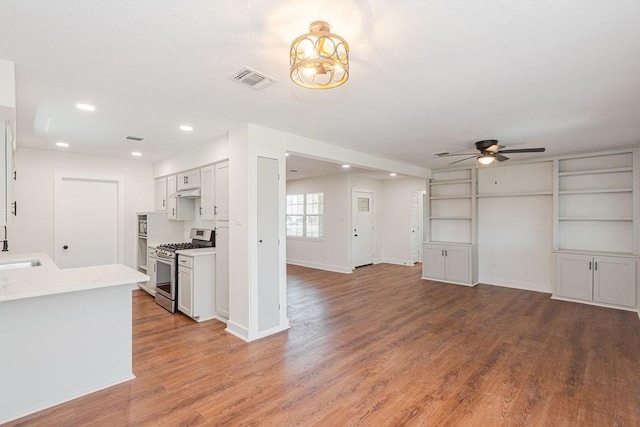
{"x": 362, "y": 219}
{"x": 89, "y": 220}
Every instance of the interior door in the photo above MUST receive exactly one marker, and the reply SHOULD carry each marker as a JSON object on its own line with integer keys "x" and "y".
{"x": 268, "y": 254}
{"x": 415, "y": 226}
{"x": 362, "y": 228}
{"x": 89, "y": 222}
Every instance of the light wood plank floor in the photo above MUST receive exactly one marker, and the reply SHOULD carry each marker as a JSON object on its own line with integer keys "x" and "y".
{"x": 380, "y": 347}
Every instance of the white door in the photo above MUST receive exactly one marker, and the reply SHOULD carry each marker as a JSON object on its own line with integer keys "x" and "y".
{"x": 268, "y": 253}
{"x": 457, "y": 263}
{"x": 614, "y": 280}
{"x": 433, "y": 265}
{"x": 574, "y": 276}
{"x": 89, "y": 223}
{"x": 362, "y": 228}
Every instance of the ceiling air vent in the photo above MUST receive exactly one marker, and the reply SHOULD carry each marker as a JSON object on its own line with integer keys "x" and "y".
{"x": 252, "y": 78}
{"x": 134, "y": 138}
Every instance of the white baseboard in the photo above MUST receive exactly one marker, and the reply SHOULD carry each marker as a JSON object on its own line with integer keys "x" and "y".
{"x": 516, "y": 284}
{"x": 237, "y": 330}
{"x": 271, "y": 331}
{"x": 398, "y": 261}
{"x": 597, "y": 304}
{"x": 319, "y": 266}
{"x": 378, "y": 261}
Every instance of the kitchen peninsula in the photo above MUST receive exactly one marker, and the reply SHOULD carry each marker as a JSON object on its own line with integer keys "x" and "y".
{"x": 64, "y": 333}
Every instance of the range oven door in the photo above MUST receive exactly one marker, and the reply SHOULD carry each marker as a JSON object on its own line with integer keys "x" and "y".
{"x": 166, "y": 283}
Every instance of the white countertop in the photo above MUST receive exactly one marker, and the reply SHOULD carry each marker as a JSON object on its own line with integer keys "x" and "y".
{"x": 48, "y": 279}
{"x": 197, "y": 252}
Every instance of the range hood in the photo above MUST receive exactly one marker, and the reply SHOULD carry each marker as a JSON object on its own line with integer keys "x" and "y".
{"x": 187, "y": 194}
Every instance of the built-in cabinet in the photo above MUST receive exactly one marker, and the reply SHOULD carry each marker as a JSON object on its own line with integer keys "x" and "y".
{"x": 8, "y": 206}
{"x": 222, "y": 191}
{"x": 197, "y": 286}
{"x": 449, "y": 251}
{"x": 207, "y": 193}
{"x": 596, "y": 226}
{"x": 152, "y": 270}
{"x": 179, "y": 208}
{"x": 188, "y": 180}
{"x": 161, "y": 195}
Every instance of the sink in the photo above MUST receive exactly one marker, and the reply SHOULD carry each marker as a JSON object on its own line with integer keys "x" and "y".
{"x": 25, "y": 263}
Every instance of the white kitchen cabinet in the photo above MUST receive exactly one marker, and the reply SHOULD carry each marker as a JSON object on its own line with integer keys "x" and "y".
{"x": 188, "y": 180}
{"x": 602, "y": 280}
{"x": 222, "y": 191}
{"x": 450, "y": 263}
{"x": 161, "y": 195}
{"x": 152, "y": 272}
{"x": 207, "y": 192}
{"x": 8, "y": 207}
{"x": 181, "y": 209}
{"x": 222, "y": 271}
{"x": 197, "y": 286}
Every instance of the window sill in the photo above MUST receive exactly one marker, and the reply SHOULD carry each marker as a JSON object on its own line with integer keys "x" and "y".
{"x": 306, "y": 239}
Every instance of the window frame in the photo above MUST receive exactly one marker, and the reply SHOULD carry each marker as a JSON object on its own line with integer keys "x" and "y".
{"x": 305, "y": 215}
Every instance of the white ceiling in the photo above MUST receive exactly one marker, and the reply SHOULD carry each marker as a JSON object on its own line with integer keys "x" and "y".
{"x": 299, "y": 167}
{"x": 425, "y": 76}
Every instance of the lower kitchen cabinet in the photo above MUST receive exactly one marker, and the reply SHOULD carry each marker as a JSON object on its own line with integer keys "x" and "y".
{"x": 450, "y": 263}
{"x": 152, "y": 272}
{"x": 197, "y": 286}
{"x": 602, "y": 280}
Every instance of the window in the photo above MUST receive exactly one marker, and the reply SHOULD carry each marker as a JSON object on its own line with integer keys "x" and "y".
{"x": 304, "y": 215}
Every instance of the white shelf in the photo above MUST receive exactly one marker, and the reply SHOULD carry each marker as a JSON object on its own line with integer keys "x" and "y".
{"x": 451, "y": 181}
{"x": 451, "y": 217}
{"x": 142, "y": 237}
{"x": 596, "y": 171}
{"x": 142, "y": 267}
{"x": 535, "y": 193}
{"x": 597, "y": 191}
{"x": 570, "y": 218}
{"x": 449, "y": 197}
{"x": 594, "y": 253}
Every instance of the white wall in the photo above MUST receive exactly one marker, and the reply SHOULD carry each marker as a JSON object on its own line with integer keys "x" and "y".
{"x": 33, "y": 229}
{"x": 7, "y": 85}
{"x": 396, "y": 218}
{"x": 330, "y": 252}
{"x": 209, "y": 152}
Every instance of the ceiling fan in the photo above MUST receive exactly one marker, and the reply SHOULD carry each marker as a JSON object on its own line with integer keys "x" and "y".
{"x": 488, "y": 151}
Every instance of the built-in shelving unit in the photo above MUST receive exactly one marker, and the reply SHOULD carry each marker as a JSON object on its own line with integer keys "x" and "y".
{"x": 596, "y": 228}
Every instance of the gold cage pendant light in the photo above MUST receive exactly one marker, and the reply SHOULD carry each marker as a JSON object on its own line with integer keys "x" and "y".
{"x": 319, "y": 59}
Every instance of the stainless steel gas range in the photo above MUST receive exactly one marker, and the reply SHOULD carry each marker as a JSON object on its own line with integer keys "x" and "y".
{"x": 167, "y": 265}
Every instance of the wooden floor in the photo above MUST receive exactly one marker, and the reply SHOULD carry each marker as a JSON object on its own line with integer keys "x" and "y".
{"x": 380, "y": 347}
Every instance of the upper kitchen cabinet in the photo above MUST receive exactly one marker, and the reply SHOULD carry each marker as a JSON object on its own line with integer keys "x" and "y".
{"x": 161, "y": 195}
{"x": 222, "y": 191}
{"x": 207, "y": 192}
{"x": 189, "y": 179}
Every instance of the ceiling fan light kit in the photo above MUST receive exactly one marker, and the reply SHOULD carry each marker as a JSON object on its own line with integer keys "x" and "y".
{"x": 489, "y": 151}
{"x": 319, "y": 59}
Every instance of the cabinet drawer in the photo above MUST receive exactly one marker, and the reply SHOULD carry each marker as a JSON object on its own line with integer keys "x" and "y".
{"x": 185, "y": 261}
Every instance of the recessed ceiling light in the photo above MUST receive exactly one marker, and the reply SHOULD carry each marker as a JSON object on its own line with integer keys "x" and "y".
{"x": 393, "y": 174}
{"x": 286, "y": 154}
{"x": 186, "y": 128}
{"x": 62, "y": 144}
{"x": 346, "y": 166}
{"x": 136, "y": 153}
{"x": 86, "y": 107}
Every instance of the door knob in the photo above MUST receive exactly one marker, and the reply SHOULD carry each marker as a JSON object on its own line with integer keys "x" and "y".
{"x": 260, "y": 240}
{"x": 65, "y": 247}
{"x": 355, "y": 235}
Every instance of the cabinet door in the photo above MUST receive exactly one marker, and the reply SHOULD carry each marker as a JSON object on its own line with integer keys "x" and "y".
{"x": 189, "y": 179}
{"x": 207, "y": 185}
{"x": 171, "y": 185}
{"x": 433, "y": 264}
{"x": 574, "y": 276}
{"x": 457, "y": 262}
{"x": 153, "y": 275}
{"x": 222, "y": 272}
{"x": 222, "y": 191}
{"x": 185, "y": 290}
{"x": 614, "y": 281}
{"x": 172, "y": 208}
{"x": 161, "y": 194}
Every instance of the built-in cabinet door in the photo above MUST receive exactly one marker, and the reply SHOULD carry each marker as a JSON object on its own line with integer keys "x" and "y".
{"x": 153, "y": 275}
{"x": 161, "y": 194}
{"x": 185, "y": 290}
{"x": 614, "y": 281}
{"x": 207, "y": 186}
{"x": 222, "y": 272}
{"x": 222, "y": 191}
{"x": 172, "y": 208}
{"x": 457, "y": 263}
{"x": 574, "y": 276}
{"x": 189, "y": 179}
{"x": 433, "y": 265}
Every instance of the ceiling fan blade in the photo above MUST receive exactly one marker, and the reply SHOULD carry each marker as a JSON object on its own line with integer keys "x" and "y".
{"x": 455, "y": 154}
{"x": 494, "y": 148}
{"x": 462, "y": 160}
{"x": 523, "y": 150}
{"x": 499, "y": 157}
